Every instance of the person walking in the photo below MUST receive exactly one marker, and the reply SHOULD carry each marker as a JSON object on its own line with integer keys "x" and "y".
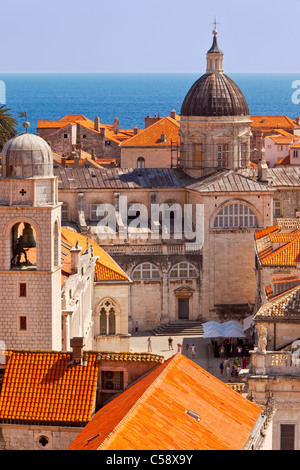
{"x": 136, "y": 327}
{"x": 170, "y": 341}
{"x": 149, "y": 344}
{"x": 193, "y": 350}
{"x": 221, "y": 367}
{"x": 179, "y": 347}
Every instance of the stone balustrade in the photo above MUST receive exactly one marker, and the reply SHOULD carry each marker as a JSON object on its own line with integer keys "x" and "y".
{"x": 274, "y": 363}
{"x": 152, "y": 249}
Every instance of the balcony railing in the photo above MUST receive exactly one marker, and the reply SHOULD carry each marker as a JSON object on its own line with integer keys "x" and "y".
{"x": 153, "y": 249}
{"x": 275, "y": 363}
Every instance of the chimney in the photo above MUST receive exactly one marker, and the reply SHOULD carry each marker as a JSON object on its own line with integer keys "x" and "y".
{"x": 173, "y": 114}
{"x": 297, "y": 119}
{"x": 163, "y": 137}
{"x": 77, "y": 353}
{"x": 102, "y": 132}
{"x": 135, "y": 130}
{"x": 116, "y": 125}
{"x": 93, "y": 154}
{"x": 97, "y": 124}
{"x": 63, "y": 161}
{"x": 75, "y": 258}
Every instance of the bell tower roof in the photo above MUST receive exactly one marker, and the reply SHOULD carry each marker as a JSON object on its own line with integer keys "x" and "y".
{"x": 27, "y": 156}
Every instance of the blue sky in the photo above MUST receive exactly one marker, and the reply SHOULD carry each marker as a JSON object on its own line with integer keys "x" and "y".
{"x": 157, "y": 36}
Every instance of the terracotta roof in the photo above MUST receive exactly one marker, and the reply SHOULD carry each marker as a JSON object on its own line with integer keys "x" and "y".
{"x": 118, "y": 137}
{"x": 284, "y": 161}
{"x": 283, "y": 139}
{"x": 41, "y": 387}
{"x": 153, "y": 413}
{"x": 285, "y": 305}
{"x": 273, "y": 122}
{"x": 228, "y": 180}
{"x": 151, "y": 136}
{"x": 106, "y": 269}
{"x": 285, "y": 255}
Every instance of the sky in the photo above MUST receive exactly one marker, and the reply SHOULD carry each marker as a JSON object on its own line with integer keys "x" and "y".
{"x": 157, "y": 36}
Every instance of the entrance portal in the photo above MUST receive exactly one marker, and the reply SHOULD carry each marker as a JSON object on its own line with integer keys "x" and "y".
{"x": 183, "y": 309}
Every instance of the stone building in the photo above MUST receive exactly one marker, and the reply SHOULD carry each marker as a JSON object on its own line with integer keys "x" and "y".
{"x": 78, "y": 132}
{"x": 157, "y": 146}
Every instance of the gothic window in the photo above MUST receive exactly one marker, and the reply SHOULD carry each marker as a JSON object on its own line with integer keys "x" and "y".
{"x": 141, "y": 162}
{"x": 222, "y": 155}
{"x": 23, "y": 246}
{"x": 146, "y": 271}
{"x": 183, "y": 270}
{"x": 235, "y": 216}
{"x": 107, "y": 318}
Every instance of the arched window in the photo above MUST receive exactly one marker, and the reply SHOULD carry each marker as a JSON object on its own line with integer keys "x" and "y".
{"x": 23, "y": 246}
{"x": 236, "y": 215}
{"x": 183, "y": 270}
{"x": 107, "y": 317}
{"x": 141, "y": 162}
{"x": 146, "y": 271}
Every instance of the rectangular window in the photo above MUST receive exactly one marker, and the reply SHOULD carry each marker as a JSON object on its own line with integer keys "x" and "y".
{"x": 277, "y": 209}
{"x": 295, "y": 153}
{"x": 222, "y": 152}
{"x": 287, "y": 437}
{"x": 65, "y": 136}
{"x": 22, "y": 289}
{"x": 23, "y": 323}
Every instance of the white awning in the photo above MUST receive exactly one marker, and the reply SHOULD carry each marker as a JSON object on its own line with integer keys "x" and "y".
{"x": 230, "y": 329}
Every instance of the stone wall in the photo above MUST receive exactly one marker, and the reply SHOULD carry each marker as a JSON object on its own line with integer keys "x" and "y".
{"x": 26, "y": 437}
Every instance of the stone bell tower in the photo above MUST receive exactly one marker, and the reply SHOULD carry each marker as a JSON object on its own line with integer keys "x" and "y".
{"x": 30, "y": 224}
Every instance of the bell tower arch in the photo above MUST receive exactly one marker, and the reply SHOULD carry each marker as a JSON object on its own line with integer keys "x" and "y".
{"x": 30, "y": 270}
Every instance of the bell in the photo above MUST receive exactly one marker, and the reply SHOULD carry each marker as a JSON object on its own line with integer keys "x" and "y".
{"x": 28, "y": 240}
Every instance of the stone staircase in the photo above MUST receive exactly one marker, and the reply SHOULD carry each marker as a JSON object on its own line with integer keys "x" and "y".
{"x": 180, "y": 328}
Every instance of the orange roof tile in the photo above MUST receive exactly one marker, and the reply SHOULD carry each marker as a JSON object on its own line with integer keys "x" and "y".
{"x": 273, "y": 122}
{"x": 42, "y": 387}
{"x": 152, "y": 413}
{"x": 284, "y": 161}
{"x": 151, "y": 136}
{"x": 286, "y": 255}
{"x": 283, "y": 139}
{"x": 106, "y": 268}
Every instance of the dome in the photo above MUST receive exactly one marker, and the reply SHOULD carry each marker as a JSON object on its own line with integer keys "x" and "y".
{"x": 214, "y": 94}
{"x": 26, "y": 156}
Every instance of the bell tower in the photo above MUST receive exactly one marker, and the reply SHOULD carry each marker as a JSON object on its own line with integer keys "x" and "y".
{"x": 30, "y": 271}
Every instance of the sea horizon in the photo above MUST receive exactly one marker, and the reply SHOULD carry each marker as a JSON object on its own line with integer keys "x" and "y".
{"x": 131, "y": 96}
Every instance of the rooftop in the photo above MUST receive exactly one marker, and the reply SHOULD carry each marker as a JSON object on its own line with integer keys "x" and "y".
{"x": 151, "y": 136}
{"x": 176, "y": 406}
{"x": 276, "y": 247}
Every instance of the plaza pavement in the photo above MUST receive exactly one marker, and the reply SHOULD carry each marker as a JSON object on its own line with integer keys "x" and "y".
{"x": 204, "y": 355}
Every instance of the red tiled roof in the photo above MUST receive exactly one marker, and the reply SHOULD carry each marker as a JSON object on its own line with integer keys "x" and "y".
{"x": 42, "y": 387}
{"x": 285, "y": 255}
{"x": 106, "y": 269}
{"x": 273, "y": 122}
{"x": 151, "y": 136}
{"x": 152, "y": 413}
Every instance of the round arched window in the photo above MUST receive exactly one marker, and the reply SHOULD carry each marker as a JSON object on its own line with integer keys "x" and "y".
{"x": 183, "y": 271}
{"x": 146, "y": 271}
{"x": 235, "y": 215}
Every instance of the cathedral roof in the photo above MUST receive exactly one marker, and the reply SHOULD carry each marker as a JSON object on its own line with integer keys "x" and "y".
{"x": 214, "y": 94}
{"x": 178, "y": 405}
{"x": 227, "y": 181}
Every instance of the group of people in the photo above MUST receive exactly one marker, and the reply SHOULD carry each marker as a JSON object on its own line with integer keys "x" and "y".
{"x": 232, "y": 369}
{"x": 187, "y": 347}
{"x": 226, "y": 348}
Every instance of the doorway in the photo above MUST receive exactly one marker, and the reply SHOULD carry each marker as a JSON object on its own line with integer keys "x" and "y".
{"x": 183, "y": 309}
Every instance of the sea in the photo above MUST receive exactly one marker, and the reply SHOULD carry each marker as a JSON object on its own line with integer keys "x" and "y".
{"x": 131, "y": 97}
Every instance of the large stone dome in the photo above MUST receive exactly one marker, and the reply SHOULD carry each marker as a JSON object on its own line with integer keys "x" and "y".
{"x": 27, "y": 156}
{"x": 214, "y": 94}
